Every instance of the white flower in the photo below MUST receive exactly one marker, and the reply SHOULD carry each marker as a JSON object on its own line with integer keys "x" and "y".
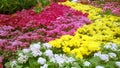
{"x": 52, "y": 60}
{"x": 41, "y": 60}
{"x": 111, "y": 46}
{"x": 49, "y": 53}
{"x": 23, "y": 59}
{"x": 44, "y": 66}
{"x": 97, "y": 54}
{"x": 13, "y": 63}
{"x": 118, "y": 63}
{"x": 47, "y": 45}
{"x": 70, "y": 60}
{"x": 74, "y": 0}
{"x": 36, "y": 53}
{"x": 107, "y": 46}
{"x": 114, "y": 47}
{"x": 20, "y": 54}
{"x": 112, "y": 55}
{"x": 34, "y": 47}
{"x": 99, "y": 67}
{"x": 26, "y": 50}
{"x": 86, "y": 63}
{"x": 104, "y": 57}
{"x": 73, "y": 67}
{"x": 60, "y": 59}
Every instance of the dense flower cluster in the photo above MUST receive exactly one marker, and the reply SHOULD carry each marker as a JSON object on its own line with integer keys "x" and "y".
{"x": 114, "y": 7}
{"x": 62, "y": 22}
{"x": 47, "y": 57}
{"x": 40, "y": 56}
{"x": 25, "y": 18}
{"x": 108, "y": 57}
{"x": 88, "y": 38}
{"x": 66, "y": 30}
{"x": 12, "y": 39}
{"x": 110, "y": 7}
{"x": 93, "y": 11}
{"x": 64, "y": 25}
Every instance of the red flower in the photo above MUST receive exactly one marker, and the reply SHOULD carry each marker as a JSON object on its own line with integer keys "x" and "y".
{"x": 1, "y": 65}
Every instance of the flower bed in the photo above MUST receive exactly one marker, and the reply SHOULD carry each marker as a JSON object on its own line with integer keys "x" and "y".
{"x": 74, "y": 41}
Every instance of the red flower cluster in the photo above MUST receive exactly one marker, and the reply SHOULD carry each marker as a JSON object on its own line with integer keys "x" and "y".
{"x": 25, "y": 17}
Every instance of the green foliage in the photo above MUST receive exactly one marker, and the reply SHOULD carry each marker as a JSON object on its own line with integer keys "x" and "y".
{"x": 11, "y": 6}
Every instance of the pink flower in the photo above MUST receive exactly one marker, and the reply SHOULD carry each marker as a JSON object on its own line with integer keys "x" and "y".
{"x": 1, "y": 59}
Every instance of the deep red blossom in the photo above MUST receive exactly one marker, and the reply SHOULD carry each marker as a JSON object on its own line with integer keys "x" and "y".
{"x": 29, "y": 17}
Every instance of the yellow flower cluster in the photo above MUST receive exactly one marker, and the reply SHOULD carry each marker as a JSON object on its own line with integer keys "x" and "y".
{"x": 89, "y": 38}
{"x": 93, "y": 12}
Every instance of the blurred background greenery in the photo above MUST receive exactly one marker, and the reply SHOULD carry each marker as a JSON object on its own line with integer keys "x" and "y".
{"x": 11, "y": 6}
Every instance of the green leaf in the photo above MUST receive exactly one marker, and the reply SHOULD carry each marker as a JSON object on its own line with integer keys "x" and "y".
{"x": 18, "y": 66}
{"x": 33, "y": 63}
{"x": 51, "y": 65}
{"x": 37, "y": 10}
{"x": 95, "y": 61}
{"x": 110, "y": 64}
{"x": 7, "y": 65}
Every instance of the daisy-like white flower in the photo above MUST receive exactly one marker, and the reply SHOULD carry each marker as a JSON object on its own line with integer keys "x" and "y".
{"x": 99, "y": 67}
{"x": 49, "y": 53}
{"x": 107, "y": 46}
{"x": 23, "y": 59}
{"x": 114, "y": 47}
{"x": 47, "y": 45}
{"x": 26, "y": 50}
{"x": 36, "y": 53}
{"x": 35, "y": 46}
{"x": 86, "y": 63}
{"x": 104, "y": 57}
{"x": 112, "y": 55}
{"x": 41, "y": 60}
{"x": 97, "y": 54}
{"x": 74, "y": 0}
{"x": 117, "y": 63}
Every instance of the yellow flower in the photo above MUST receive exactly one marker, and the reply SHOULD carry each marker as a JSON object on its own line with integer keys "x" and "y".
{"x": 88, "y": 39}
{"x": 93, "y": 12}
{"x": 66, "y": 50}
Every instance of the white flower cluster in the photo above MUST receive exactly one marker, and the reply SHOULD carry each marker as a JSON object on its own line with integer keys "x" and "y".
{"x": 103, "y": 57}
{"x": 62, "y": 58}
{"x": 35, "y": 48}
{"x": 22, "y": 58}
{"x": 111, "y": 46}
{"x": 36, "y": 51}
